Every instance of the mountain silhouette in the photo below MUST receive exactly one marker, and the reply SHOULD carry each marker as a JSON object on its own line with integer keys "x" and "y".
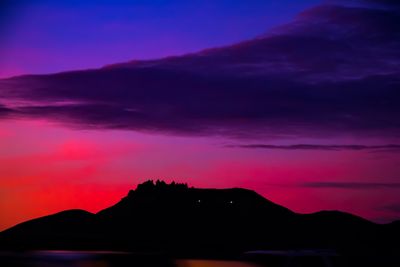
{"x": 174, "y": 218}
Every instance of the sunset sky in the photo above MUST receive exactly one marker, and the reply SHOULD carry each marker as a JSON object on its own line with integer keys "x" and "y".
{"x": 297, "y": 100}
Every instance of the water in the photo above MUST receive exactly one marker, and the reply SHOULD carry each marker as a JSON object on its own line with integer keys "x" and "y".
{"x": 104, "y": 259}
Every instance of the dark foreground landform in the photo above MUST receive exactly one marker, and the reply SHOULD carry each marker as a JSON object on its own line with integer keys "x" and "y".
{"x": 173, "y": 219}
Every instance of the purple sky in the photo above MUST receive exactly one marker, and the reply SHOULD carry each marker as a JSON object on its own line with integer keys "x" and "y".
{"x": 51, "y": 36}
{"x": 300, "y": 102}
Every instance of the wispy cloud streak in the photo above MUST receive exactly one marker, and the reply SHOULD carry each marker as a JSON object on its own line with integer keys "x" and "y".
{"x": 389, "y": 147}
{"x": 350, "y": 185}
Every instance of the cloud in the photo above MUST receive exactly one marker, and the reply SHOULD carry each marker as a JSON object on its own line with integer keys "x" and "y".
{"x": 384, "y": 2}
{"x": 335, "y": 70}
{"x": 390, "y": 147}
{"x": 4, "y": 110}
{"x": 351, "y": 185}
{"x": 392, "y": 208}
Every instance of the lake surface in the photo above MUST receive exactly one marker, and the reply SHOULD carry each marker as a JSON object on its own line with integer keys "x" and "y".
{"x": 104, "y": 259}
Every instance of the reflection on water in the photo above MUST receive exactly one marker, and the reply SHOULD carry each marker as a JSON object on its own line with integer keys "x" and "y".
{"x": 123, "y": 259}
{"x": 103, "y": 259}
{"x": 81, "y": 259}
{"x": 212, "y": 263}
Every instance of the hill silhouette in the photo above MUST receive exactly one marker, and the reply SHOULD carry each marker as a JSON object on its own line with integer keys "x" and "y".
{"x": 173, "y": 218}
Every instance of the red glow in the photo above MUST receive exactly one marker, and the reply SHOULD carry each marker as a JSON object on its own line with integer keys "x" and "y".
{"x": 46, "y": 169}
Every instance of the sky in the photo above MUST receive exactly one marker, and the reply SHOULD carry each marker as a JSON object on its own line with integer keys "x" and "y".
{"x": 297, "y": 100}
{"x": 44, "y": 36}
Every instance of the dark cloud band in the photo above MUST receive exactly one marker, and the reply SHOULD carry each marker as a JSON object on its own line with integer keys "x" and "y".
{"x": 390, "y": 147}
{"x": 351, "y": 185}
{"x": 335, "y": 70}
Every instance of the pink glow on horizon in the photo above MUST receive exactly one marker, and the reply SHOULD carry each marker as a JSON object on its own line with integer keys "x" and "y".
{"x": 46, "y": 168}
